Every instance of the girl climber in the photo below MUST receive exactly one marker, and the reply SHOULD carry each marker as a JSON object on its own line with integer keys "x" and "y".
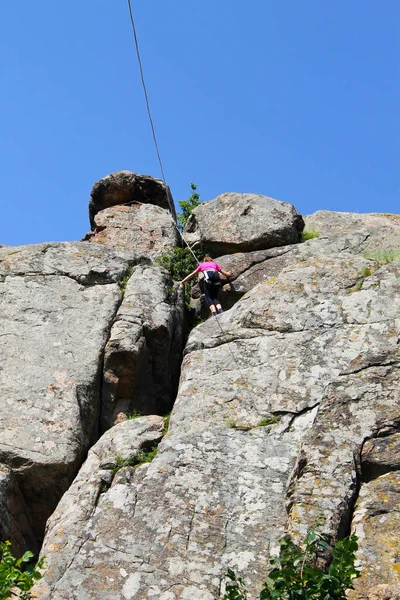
{"x": 210, "y": 283}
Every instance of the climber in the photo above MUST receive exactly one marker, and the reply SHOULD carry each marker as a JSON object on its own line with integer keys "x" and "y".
{"x": 210, "y": 283}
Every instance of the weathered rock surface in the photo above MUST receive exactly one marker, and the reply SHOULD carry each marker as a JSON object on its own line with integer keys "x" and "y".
{"x": 320, "y": 357}
{"x": 143, "y": 353}
{"x": 242, "y": 222}
{"x": 381, "y": 230}
{"x": 57, "y": 304}
{"x": 143, "y": 228}
{"x": 338, "y": 232}
{"x": 81, "y": 532}
{"x": 15, "y": 522}
{"x": 288, "y": 407}
{"x": 125, "y": 187}
{"x": 376, "y": 522}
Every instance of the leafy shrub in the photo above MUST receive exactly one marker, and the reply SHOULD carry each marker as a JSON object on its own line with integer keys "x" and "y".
{"x": 180, "y": 262}
{"x": 296, "y": 574}
{"x": 309, "y": 235}
{"x": 187, "y": 206}
{"x": 122, "y": 283}
{"x": 14, "y": 576}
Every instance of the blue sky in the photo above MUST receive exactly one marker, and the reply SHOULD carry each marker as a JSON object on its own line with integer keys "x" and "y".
{"x": 294, "y": 100}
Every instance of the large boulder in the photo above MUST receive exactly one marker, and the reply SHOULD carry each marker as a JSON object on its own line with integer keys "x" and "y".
{"x": 143, "y": 354}
{"x": 125, "y": 187}
{"x": 82, "y": 529}
{"x": 57, "y": 305}
{"x": 142, "y": 228}
{"x": 242, "y": 223}
{"x": 380, "y": 230}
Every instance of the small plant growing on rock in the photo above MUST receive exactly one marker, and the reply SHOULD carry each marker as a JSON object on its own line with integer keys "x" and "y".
{"x": 297, "y": 574}
{"x": 134, "y": 414}
{"x": 15, "y": 580}
{"x": 144, "y": 456}
{"x": 123, "y": 282}
{"x": 383, "y": 257}
{"x": 187, "y": 206}
{"x": 309, "y": 235}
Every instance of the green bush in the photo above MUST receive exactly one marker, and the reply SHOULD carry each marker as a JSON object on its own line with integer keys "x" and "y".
{"x": 180, "y": 262}
{"x": 309, "y": 235}
{"x": 13, "y": 575}
{"x": 297, "y": 574}
{"x": 187, "y": 206}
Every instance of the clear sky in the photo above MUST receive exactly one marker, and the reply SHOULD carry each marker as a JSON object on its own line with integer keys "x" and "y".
{"x": 294, "y": 100}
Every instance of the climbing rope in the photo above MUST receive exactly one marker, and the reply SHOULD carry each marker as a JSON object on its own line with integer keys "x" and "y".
{"x": 158, "y": 153}
{"x": 152, "y": 125}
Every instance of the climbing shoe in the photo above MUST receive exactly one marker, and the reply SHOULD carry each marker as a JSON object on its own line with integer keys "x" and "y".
{"x": 219, "y": 311}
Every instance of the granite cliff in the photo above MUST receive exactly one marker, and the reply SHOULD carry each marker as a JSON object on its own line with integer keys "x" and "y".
{"x": 284, "y": 409}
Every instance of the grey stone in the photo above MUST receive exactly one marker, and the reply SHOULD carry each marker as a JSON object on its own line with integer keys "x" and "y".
{"x": 53, "y": 331}
{"x": 381, "y": 230}
{"x": 88, "y": 264}
{"x": 143, "y": 353}
{"x": 15, "y": 519}
{"x": 242, "y": 222}
{"x": 142, "y": 228}
{"x": 380, "y": 455}
{"x": 376, "y": 522}
{"x": 99, "y": 500}
{"x": 125, "y": 187}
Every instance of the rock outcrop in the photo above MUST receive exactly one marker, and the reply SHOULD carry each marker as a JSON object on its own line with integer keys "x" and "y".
{"x": 125, "y": 187}
{"x": 288, "y": 406}
{"x": 143, "y": 353}
{"x": 242, "y": 223}
{"x": 132, "y": 212}
{"x": 147, "y": 229}
{"x": 57, "y": 304}
{"x": 81, "y": 532}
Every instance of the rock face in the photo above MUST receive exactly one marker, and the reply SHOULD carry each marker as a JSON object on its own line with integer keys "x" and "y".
{"x": 15, "y": 521}
{"x": 125, "y": 187}
{"x": 308, "y": 353}
{"x": 57, "y": 303}
{"x": 143, "y": 228}
{"x": 99, "y": 494}
{"x": 376, "y": 522}
{"x": 143, "y": 353}
{"x": 242, "y": 222}
{"x": 288, "y": 406}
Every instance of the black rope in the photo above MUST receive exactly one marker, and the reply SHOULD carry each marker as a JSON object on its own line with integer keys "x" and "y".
{"x": 145, "y": 90}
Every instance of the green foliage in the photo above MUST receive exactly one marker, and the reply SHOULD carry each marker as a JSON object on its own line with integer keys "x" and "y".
{"x": 383, "y": 257}
{"x": 124, "y": 280}
{"x": 166, "y": 423}
{"x": 362, "y": 275}
{"x": 235, "y": 588}
{"x": 13, "y": 574}
{"x": 135, "y": 460}
{"x": 187, "y": 206}
{"x": 297, "y": 574}
{"x": 309, "y": 235}
{"x": 180, "y": 262}
{"x": 135, "y": 414}
{"x": 269, "y": 419}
